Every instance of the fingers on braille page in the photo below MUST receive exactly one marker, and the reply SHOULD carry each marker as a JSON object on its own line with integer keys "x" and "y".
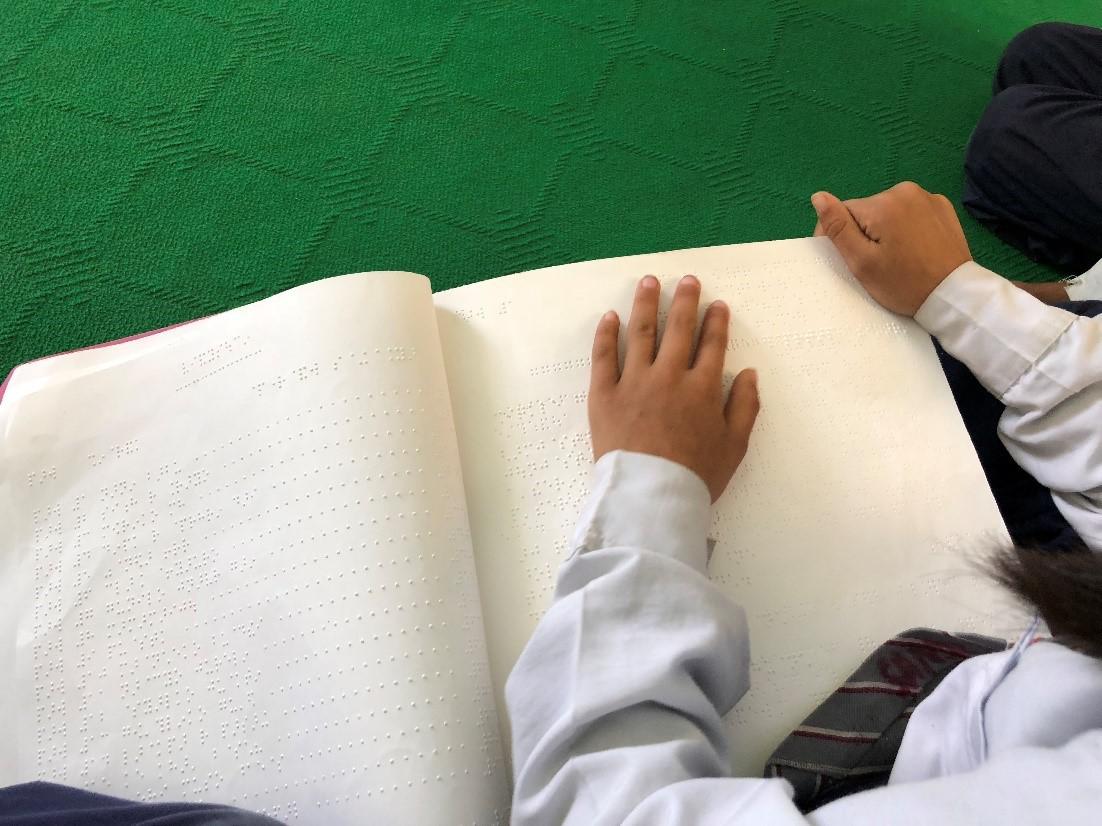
{"x": 642, "y": 331}
{"x": 711, "y": 349}
{"x": 676, "y": 345}
{"x": 743, "y": 403}
{"x": 826, "y": 438}
{"x": 605, "y": 359}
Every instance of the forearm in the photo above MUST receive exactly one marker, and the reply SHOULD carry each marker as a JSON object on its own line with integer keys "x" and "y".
{"x": 616, "y": 703}
{"x": 1050, "y": 292}
{"x": 1085, "y": 287}
{"x": 621, "y": 691}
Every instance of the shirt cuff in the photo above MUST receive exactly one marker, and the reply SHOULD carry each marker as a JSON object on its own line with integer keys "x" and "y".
{"x": 997, "y": 330}
{"x": 643, "y": 501}
{"x": 1086, "y": 287}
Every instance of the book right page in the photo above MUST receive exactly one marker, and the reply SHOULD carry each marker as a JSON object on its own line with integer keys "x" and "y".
{"x": 859, "y": 511}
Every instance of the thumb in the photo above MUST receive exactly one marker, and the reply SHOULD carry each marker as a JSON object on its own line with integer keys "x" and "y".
{"x": 839, "y": 225}
{"x": 742, "y": 405}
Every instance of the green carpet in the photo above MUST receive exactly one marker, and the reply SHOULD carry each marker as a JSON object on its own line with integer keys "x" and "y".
{"x": 165, "y": 159}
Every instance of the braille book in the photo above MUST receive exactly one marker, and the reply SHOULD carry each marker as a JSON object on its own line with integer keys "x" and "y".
{"x": 284, "y": 557}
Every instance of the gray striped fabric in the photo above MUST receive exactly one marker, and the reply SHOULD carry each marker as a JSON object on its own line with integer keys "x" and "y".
{"x": 848, "y": 744}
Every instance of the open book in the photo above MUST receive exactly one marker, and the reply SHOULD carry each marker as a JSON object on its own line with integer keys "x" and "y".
{"x": 284, "y": 557}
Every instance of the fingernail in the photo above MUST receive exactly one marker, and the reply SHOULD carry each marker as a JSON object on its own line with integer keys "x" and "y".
{"x": 819, "y": 202}
{"x": 649, "y": 282}
{"x": 719, "y": 304}
{"x": 609, "y": 316}
{"x": 691, "y": 280}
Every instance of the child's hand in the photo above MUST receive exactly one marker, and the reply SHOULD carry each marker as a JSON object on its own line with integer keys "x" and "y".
{"x": 900, "y": 243}
{"x": 670, "y": 403}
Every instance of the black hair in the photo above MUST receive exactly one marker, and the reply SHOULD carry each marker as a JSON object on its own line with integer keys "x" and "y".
{"x": 1064, "y": 587}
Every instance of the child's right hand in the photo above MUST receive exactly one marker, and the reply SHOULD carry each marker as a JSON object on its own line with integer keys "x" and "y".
{"x": 668, "y": 399}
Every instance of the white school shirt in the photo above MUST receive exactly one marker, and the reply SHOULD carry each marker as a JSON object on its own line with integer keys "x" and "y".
{"x": 617, "y": 701}
{"x": 1086, "y": 286}
{"x": 1045, "y": 365}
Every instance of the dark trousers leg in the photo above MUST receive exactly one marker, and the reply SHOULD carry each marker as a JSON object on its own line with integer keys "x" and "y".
{"x": 47, "y": 804}
{"x": 1033, "y": 168}
{"x": 1031, "y": 517}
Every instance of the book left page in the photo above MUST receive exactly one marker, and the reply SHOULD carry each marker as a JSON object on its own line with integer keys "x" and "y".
{"x": 235, "y": 566}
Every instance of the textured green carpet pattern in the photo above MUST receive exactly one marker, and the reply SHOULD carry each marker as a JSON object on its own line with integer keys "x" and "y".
{"x": 165, "y": 159}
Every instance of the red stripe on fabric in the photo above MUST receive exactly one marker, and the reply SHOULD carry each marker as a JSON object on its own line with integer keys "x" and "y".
{"x": 838, "y": 738}
{"x": 898, "y": 690}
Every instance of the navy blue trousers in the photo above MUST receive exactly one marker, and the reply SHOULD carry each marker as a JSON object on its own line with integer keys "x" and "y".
{"x": 47, "y": 804}
{"x": 1031, "y": 517}
{"x": 1033, "y": 168}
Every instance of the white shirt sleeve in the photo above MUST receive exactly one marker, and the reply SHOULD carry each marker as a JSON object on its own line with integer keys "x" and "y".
{"x": 1045, "y": 365}
{"x": 619, "y": 695}
{"x": 616, "y": 703}
{"x": 1086, "y": 287}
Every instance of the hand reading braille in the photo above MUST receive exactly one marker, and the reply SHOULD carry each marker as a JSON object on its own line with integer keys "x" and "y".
{"x": 668, "y": 400}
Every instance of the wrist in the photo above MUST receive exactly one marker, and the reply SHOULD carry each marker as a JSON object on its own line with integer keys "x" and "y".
{"x": 1050, "y": 292}
{"x": 947, "y": 272}
{"x": 645, "y": 501}
{"x": 995, "y": 329}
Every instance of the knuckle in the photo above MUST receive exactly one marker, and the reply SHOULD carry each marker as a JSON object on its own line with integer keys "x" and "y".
{"x": 861, "y": 263}
{"x": 602, "y": 351}
{"x": 674, "y": 386}
{"x": 680, "y": 321}
{"x": 834, "y": 226}
{"x": 603, "y": 340}
{"x": 646, "y": 329}
{"x": 714, "y": 335}
{"x": 750, "y": 405}
{"x": 666, "y": 372}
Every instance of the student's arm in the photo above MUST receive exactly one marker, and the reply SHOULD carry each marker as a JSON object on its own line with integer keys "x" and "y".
{"x": 616, "y": 702}
{"x": 619, "y": 695}
{"x": 1045, "y": 364}
{"x": 1085, "y": 287}
{"x": 1050, "y": 292}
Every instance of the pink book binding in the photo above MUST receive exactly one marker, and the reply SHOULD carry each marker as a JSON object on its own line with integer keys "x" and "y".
{"x": 4, "y": 384}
